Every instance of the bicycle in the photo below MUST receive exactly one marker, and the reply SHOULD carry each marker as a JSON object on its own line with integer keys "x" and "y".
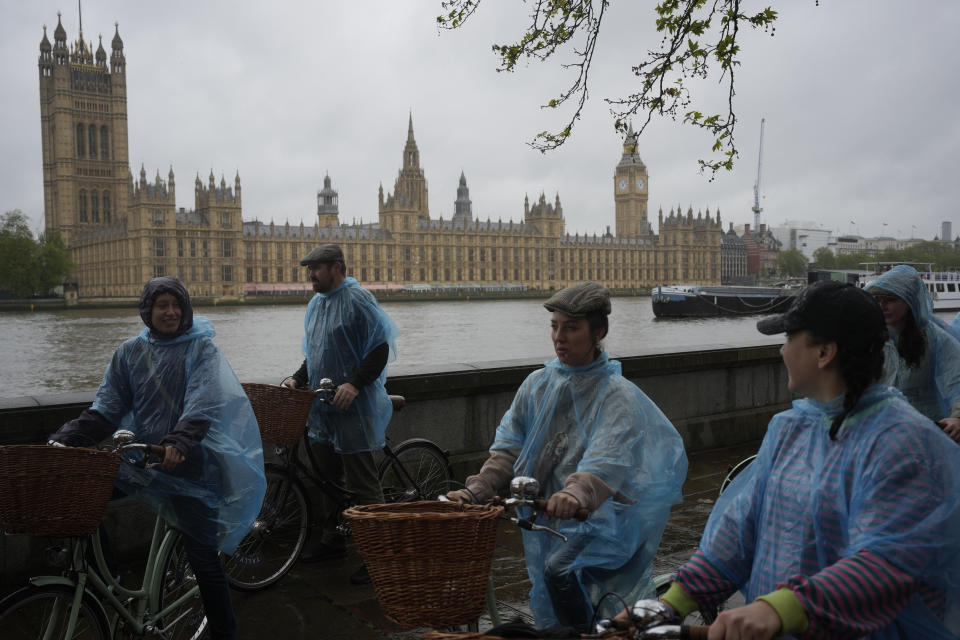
{"x": 417, "y": 469}
{"x": 652, "y": 619}
{"x": 86, "y": 601}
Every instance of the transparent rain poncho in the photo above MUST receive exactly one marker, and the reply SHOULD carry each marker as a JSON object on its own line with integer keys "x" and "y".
{"x": 889, "y": 483}
{"x": 150, "y": 386}
{"x": 933, "y": 386}
{"x": 592, "y": 419}
{"x": 341, "y": 328}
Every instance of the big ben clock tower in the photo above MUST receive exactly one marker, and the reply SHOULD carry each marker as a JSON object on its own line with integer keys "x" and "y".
{"x": 630, "y": 189}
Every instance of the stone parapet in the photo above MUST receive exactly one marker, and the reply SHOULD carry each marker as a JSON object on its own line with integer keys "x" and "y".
{"x": 716, "y": 397}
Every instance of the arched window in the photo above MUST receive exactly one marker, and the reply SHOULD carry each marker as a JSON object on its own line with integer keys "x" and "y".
{"x": 94, "y": 206}
{"x": 83, "y": 204}
{"x": 106, "y": 206}
{"x": 104, "y": 148}
{"x": 93, "y": 141}
{"x": 81, "y": 135}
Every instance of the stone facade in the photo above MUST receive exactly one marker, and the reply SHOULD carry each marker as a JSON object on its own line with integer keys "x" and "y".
{"x": 121, "y": 232}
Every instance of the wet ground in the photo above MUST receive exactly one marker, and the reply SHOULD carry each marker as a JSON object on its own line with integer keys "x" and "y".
{"x": 318, "y": 601}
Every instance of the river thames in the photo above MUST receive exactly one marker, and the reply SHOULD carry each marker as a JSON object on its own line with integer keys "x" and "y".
{"x": 62, "y": 351}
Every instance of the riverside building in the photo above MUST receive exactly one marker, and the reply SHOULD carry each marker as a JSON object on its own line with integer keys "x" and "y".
{"x": 122, "y": 232}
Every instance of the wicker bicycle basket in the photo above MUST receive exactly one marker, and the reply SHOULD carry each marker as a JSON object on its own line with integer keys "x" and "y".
{"x": 54, "y": 491}
{"x": 281, "y": 412}
{"x": 429, "y": 561}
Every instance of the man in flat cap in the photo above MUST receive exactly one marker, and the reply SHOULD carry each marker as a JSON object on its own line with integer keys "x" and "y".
{"x": 348, "y": 338}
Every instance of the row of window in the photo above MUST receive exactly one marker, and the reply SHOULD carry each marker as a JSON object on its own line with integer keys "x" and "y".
{"x": 472, "y": 254}
{"x": 458, "y": 275}
{"x": 92, "y": 203}
{"x": 190, "y": 275}
{"x": 87, "y": 141}
{"x": 188, "y": 248}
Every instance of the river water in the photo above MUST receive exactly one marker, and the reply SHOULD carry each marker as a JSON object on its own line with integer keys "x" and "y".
{"x": 62, "y": 351}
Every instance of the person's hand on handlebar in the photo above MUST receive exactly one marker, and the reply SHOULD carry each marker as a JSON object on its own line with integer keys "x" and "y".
{"x": 344, "y": 396}
{"x": 562, "y": 506}
{"x": 289, "y": 382}
{"x": 171, "y": 458}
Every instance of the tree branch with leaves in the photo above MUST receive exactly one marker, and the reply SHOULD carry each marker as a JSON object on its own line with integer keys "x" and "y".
{"x": 699, "y": 37}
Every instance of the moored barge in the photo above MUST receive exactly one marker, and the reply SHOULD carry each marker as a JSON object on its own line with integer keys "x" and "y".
{"x": 679, "y": 301}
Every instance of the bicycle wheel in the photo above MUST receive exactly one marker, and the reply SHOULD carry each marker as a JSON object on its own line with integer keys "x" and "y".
{"x": 43, "y": 612}
{"x": 276, "y": 538}
{"x": 188, "y": 621}
{"x": 735, "y": 470}
{"x": 418, "y": 470}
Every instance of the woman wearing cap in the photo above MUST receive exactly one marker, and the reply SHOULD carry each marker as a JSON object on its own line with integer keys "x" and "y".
{"x": 171, "y": 386}
{"x": 592, "y": 439}
{"x": 845, "y": 525}
{"x": 923, "y": 353}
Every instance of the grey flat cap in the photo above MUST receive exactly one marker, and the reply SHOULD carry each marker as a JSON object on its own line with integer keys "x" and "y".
{"x": 580, "y": 299}
{"x": 323, "y": 253}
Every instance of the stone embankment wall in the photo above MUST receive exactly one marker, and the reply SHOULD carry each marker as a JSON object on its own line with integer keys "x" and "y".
{"x": 715, "y": 398}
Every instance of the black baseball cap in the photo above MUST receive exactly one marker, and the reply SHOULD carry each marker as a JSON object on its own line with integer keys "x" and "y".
{"x": 323, "y": 254}
{"x": 833, "y": 311}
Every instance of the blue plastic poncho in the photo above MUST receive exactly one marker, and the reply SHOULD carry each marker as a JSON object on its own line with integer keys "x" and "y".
{"x": 592, "y": 419}
{"x": 889, "y": 483}
{"x": 341, "y": 328}
{"x": 933, "y": 386}
{"x": 149, "y": 387}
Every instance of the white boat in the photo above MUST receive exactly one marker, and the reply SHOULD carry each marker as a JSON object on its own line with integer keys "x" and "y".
{"x": 944, "y": 286}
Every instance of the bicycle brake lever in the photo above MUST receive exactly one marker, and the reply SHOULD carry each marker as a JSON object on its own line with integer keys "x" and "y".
{"x": 529, "y": 526}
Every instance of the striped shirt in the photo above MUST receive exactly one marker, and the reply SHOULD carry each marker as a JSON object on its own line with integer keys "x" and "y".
{"x": 854, "y": 526}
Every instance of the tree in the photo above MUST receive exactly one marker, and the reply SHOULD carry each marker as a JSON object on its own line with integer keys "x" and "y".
{"x": 823, "y": 258}
{"x": 27, "y": 266}
{"x": 792, "y": 262}
{"x": 696, "y": 34}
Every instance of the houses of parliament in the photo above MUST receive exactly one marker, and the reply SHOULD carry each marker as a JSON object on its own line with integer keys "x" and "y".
{"x": 122, "y": 231}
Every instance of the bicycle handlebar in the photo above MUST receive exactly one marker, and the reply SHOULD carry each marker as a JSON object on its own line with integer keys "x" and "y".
{"x": 654, "y": 629}
{"x": 540, "y": 504}
{"x": 674, "y": 632}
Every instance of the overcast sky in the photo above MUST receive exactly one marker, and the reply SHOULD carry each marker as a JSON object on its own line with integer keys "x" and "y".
{"x": 860, "y": 100}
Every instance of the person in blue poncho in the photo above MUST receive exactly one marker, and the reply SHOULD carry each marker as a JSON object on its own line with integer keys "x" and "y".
{"x": 845, "y": 525}
{"x": 347, "y": 338}
{"x": 593, "y": 439}
{"x": 923, "y": 353}
{"x": 171, "y": 386}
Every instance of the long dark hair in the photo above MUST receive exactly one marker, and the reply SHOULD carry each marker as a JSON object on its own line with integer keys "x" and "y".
{"x": 912, "y": 343}
{"x": 861, "y": 364}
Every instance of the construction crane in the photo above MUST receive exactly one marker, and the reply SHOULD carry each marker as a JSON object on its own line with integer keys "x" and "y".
{"x": 756, "y": 185}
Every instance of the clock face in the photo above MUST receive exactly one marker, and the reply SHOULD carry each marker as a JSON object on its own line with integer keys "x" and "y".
{"x": 640, "y": 184}
{"x": 622, "y": 185}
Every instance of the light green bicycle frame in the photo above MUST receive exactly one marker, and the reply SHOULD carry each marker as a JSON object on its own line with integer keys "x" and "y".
{"x": 91, "y": 580}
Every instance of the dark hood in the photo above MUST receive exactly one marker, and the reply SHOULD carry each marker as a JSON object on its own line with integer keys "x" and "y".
{"x": 166, "y": 284}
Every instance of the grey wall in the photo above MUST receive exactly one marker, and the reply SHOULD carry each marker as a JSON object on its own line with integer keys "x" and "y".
{"x": 715, "y": 398}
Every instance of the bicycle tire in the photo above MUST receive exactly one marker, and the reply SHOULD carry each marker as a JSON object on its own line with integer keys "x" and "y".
{"x": 735, "y": 470}
{"x": 189, "y": 621}
{"x": 425, "y": 463}
{"x": 277, "y": 537}
{"x": 27, "y": 613}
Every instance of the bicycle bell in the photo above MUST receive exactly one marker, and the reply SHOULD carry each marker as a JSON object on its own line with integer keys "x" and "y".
{"x": 122, "y": 437}
{"x": 524, "y": 487}
{"x": 326, "y": 384}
